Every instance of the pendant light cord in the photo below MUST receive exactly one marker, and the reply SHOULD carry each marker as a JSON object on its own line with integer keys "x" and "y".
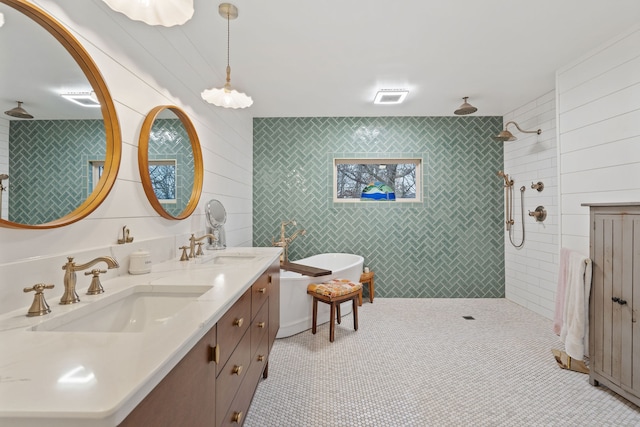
{"x": 228, "y": 37}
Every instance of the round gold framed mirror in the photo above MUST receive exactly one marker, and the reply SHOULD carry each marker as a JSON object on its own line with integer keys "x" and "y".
{"x": 170, "y": 162}
{"x": 42, "y": 200}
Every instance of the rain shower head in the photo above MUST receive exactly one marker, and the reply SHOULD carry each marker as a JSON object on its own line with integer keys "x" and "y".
{"x": 465, "y": 108}
{"x": 19, "y": 112}
{"x": 4, "y": 176}
{"x": 505, "y": 135}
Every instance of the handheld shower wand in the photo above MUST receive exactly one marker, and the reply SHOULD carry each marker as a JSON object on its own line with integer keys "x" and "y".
{"x": 509, "y": 208}
{"x": 3, "y": 176}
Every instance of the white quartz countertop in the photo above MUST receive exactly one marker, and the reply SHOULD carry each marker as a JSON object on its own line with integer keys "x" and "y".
{"x": 95, "y": 379}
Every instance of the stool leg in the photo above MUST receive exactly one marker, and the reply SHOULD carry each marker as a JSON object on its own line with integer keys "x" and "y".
{"x": 360, "y": 297}
{"x": 371, "y": 291}
{"x": 338, "y": 315}
{"x": 332, "y": 325}
{"x": 315, "y": 316}
{"x": 355, "y": 313}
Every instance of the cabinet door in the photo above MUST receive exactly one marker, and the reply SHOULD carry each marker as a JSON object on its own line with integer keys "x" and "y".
{"x": 615, "y": 263}
{"x": 186, "y": 396}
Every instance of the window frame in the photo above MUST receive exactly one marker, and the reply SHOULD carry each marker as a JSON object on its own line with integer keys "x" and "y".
{"x": 418, "y": 161}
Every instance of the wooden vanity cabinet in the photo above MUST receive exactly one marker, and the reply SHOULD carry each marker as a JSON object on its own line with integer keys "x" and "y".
{"x": 173, "y": 401}
{"x": 199, "y": 391}
{"x": 614, "y": 331}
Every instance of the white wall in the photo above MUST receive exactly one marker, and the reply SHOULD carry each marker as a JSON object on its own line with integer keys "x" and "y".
{"x": 599, "y": 128}
{"x": 31, "y": 256}
{"x": 531, "y": 271}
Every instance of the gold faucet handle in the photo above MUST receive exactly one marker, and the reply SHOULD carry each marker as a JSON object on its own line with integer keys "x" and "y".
{"x": 184, "y": 256}
{"x": 95, "y": 287}
{"x": 199, "y": 251}
{"x": 39, "y": 305}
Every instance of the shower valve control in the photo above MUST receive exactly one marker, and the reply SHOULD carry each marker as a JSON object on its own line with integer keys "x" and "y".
{"x": 540, "y": 214}
{"x": 538, "y": 186}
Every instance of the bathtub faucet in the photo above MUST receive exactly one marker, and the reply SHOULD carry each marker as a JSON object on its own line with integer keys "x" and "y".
{"x": 285, "y": 241}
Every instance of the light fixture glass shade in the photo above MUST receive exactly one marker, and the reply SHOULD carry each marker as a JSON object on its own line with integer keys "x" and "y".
{"x": 227, "y": 98}
{"x": 155, "y": 12}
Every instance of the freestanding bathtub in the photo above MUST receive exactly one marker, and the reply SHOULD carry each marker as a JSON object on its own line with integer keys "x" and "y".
{"x": 296, "y": 305}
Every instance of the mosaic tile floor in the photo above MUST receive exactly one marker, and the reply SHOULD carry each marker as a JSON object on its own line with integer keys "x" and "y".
{"x": 418, "y": 362}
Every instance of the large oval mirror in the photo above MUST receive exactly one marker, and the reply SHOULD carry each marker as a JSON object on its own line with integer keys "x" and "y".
{"x": 170, "y": 162}
{"x": 63, "y": 162}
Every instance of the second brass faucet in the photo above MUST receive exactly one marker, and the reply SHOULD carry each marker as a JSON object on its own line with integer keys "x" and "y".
{"x": 70, "y": 295}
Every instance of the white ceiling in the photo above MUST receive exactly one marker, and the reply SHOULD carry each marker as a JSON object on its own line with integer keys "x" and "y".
{"x": 329, "y": 57}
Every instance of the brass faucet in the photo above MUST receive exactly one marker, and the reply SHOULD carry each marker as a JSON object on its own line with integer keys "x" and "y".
{"x": 284, "y": 241}
{"x": 70, "y": 295}
{"x": 192, "y": 244}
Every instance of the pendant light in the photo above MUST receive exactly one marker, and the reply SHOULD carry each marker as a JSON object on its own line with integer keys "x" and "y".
{"x": 227, "y": 97}
{"x": 154, "y": 12}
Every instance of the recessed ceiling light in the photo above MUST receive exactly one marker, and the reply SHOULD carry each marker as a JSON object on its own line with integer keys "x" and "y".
{"x": 390, "y": 96}
{"x": 86, "y": 99}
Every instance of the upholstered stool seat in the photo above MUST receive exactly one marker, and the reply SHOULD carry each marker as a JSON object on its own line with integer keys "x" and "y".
{"x": 334, "y": 292}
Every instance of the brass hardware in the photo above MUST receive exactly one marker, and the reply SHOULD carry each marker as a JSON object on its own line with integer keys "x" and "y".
{"x": 39, "y": 306}
{"x": 540, "y": 214}
{"x": 184, "y": 256}
{"x": 125, "y": 236}
{"x": 538, "y": 186}
{"x": 95, "y": 287}
{"x": 284, "y": 241}
{"x": 509, "y": 207}
{"x": 505, "y": 135}
{"x": 214, "y": 354}
{"x": 70, "y": 295}
{"x": 261, "y": 324}
{"x": 237, "y": 416}
{"x": 237, "y": 369}
{"x": 262, "y": 290}
{"x": 238, "y": 322}
{"x": 193, "y": 241}
{"x": 260, "y": 358}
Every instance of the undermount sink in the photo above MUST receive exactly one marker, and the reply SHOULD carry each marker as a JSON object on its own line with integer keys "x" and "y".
{"x": 228, "y": 259}
{"x": 134, "y": 310}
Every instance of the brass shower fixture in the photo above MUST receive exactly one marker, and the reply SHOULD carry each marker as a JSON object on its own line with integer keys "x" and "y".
{"x": 505, "y": 135}
{"x": 465, "y": 108}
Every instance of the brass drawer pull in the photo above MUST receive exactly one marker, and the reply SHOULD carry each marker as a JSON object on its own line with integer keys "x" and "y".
{"x": 261, "y": 324}
{"x": 237, "y": 416}
{"x": 262, "y": 290}
{"x": 214, "y": 354}
{"x": 237, "y": 369}
{"x": 238, "y": 322}
{"x": 260, "y": 358}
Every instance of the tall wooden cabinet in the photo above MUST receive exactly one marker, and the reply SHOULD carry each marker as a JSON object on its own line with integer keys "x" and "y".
{"x": 614, "y": 330}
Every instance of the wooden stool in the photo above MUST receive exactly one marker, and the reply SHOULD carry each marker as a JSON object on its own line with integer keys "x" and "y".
{"x": 368, "y": 279}
{"x": 334, "y": 292}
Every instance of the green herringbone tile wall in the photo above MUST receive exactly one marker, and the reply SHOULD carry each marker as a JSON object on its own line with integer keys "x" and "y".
{"x": 451, "y": 245}
{"x": 49, "y": 166}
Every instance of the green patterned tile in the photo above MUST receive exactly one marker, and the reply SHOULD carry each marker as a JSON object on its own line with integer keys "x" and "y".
{"x": 451, "y": 245}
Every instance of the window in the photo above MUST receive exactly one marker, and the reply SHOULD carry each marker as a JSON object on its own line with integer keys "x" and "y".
{"x": 97, "y": 168}
{"x": 400, "y": 176}
{"x": 163, "y": 179}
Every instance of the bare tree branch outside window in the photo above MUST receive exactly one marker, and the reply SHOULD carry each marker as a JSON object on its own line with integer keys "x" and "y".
{"x": 352, "y": 176}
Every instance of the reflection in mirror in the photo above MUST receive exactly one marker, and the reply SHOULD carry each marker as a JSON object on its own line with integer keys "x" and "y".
{"x": 170, "y": 162}
{"x": 62, "y": 164}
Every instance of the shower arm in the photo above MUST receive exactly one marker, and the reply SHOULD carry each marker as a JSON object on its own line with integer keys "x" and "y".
{"x": 538, "y": 131}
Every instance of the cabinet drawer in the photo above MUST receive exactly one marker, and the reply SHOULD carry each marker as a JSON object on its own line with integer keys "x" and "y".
{"x": 259, "y": 326}
{"x": 232, "y": 327}
{"x": 260, "y": 292}
{"x": 229, "y": 380}
{"x": 240, "y": 405}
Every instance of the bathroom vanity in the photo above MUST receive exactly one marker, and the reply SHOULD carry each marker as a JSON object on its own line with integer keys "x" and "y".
{"x": 198, "y": 364}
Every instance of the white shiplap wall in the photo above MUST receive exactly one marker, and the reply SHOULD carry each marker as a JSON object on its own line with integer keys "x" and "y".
{"x": 599, "y": 130}
{"x": 531, "y": 271}
{"x": 226, "y": 136}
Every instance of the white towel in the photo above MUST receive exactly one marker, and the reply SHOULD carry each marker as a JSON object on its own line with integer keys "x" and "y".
{"x": 575, "y": 323}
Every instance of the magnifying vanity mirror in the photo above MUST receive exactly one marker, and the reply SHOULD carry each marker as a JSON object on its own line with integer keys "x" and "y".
{"x": 61, "y": 164}
{"x": 216, "y": 218}
{"x": 170, "y": 162}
